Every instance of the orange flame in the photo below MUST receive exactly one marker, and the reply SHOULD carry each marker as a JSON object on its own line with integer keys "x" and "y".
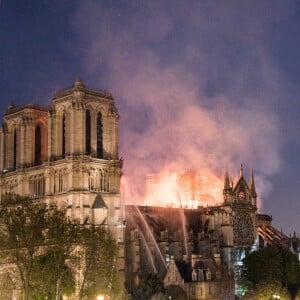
{"x": 188, "y": 189}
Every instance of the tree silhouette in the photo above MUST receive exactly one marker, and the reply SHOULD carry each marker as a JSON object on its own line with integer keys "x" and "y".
{"x": 271, "y": 266}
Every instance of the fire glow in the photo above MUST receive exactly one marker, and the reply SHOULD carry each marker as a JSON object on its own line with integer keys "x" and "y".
{"x": 187, "y": 189}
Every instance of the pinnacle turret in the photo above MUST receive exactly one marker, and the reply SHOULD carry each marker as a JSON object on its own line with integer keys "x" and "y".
{"x": 252, "y": 185}
{"x": 227, "y": 191}
{"x": 226, "y": 181}
{"x": 11, "y": 105}
{"x": 78, "y": 83}
{"x": 242, "y": 171}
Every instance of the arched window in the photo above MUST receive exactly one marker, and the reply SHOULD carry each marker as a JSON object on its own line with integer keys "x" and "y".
{"x": 63, "y": 134}
{"x": 88, "y": 132}
{"x": 99, "y": 136}
{"x": 194, "y": 275}
{"x": 15, "y": 150}
{"x": 208, "y": 275}
{"x": 38, "y": 145}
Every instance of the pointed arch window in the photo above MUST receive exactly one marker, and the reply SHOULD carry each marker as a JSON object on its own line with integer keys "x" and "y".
{"x": 99, "y": 136}
{"x": 88, "y": 132}
{"x": 63, "y": 146}
{"x": 15, "y": 150}
{"x": 38, "y": 145}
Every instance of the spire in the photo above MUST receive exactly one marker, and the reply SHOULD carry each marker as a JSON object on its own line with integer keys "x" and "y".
{"x": 252, "y": 185}
{"x": 11, "y": 105}
{"x": 226, "y": 181}
{"x": 78, "y": 83}
{"x": 227, "y": 191}
{"x": 242, "y": 171}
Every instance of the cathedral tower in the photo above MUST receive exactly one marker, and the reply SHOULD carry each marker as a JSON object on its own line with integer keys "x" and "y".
{"x": 239, "y": 232}
{"x": 66, "y": 154}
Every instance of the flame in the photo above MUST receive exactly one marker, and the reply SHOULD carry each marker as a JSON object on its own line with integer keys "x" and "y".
{"x": 188, "y": 189}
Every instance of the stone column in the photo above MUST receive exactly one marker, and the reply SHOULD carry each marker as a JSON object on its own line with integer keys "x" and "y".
{"x": 106, "y": 128}
{"x": 58, "y": 136}
{"x": 8, "y": 151}
{"x": 94, "y": 132}
{"x": 2, "y": 153}
{"x": 30, "y": 143}
{"x": 19, "y": 149}
{"x": 67, "y": 133}
{"x": 79, "y": 132}
{"x": 21, "y": 146}
{"x": 50, "y": 133}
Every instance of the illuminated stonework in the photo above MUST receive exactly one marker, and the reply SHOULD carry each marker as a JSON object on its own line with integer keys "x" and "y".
{"x": 243, "y": 229}
{"x": 66, "y": 154}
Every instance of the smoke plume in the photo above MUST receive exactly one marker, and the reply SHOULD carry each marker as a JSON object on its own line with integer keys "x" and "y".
{"x": 193, "y": 82}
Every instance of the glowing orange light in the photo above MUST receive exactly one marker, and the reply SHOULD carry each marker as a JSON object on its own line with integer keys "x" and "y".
{"x": 188, "y": 189}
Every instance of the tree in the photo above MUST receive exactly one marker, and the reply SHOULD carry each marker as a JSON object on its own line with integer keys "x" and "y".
{"x": 63, "y": 238}
{"x": 33, "y": 235}
{"x": 267, "y": 291}
{"x": 99, "y": 265}
{"x": 150, "y": 286}
{"x": 264, "y": 265}
{"x": 298, "y": 295}
{"x": 291, "y": 272}
{"x": 269, "y": 266}
{"x": 22, "y": 226}
{"x": 45, "y": 278}
{"x": 48, "y": 249}
{"x": 176, "y": 292}
{"x": 7, "y": 285}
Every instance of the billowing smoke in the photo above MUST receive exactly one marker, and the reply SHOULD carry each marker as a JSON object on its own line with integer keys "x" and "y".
{"x": 193, "y": 82}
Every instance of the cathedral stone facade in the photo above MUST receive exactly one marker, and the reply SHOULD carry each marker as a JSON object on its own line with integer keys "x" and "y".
{"x": 66, "y": 154}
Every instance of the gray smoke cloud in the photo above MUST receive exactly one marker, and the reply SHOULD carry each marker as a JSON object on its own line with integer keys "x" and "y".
{"x": 193, "y": 80}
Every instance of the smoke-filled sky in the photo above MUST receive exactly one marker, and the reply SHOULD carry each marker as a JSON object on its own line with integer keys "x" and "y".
{"x": 198, "y": 84}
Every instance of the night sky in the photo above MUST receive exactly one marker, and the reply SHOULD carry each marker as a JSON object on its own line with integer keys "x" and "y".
{"x": 198, "y": 84}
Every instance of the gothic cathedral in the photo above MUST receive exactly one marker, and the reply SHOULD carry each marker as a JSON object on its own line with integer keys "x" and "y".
{"x": 66, "y": 154}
